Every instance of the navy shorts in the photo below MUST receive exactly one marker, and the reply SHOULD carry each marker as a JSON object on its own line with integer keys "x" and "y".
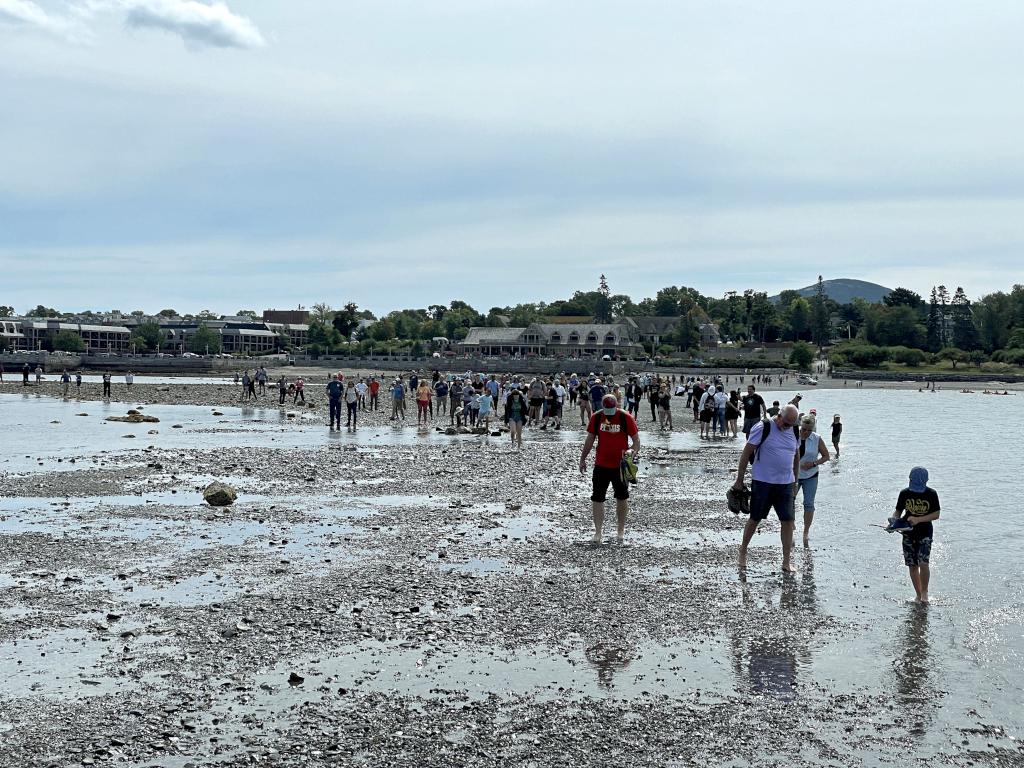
{"x": 916, "y": 552}
{"x": 764, "y": 496}
{"x": 602, "y": 477}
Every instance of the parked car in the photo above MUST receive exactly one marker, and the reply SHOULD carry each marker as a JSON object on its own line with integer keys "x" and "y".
{"x": 806, "y": 378}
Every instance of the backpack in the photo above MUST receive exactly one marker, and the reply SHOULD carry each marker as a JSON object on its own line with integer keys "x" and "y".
{"x": 709, "y": 403}
{"x": 766, "y": 428}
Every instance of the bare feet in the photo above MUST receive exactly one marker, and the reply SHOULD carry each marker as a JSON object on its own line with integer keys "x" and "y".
{"x": 788, "y": 567}
{"x": 807, "y": 541}
{"x": 596, "y": 539}
{"x": 742, "y": 562}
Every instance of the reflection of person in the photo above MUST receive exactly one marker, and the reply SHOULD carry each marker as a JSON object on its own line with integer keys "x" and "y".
{"x": 608, "y": 659}
{"x": 915, "y": 689}
{"x": 768, "y": 663}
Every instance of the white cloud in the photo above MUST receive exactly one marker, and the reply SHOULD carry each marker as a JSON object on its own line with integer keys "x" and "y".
{"x": 29, "y": 14}
{"x": 195, "y": 22}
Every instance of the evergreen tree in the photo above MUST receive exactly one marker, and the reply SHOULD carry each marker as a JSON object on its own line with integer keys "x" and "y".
{"x": 820, "y": 324}
{"x": 965, "y": 333}
{"x": 934, "y": 324}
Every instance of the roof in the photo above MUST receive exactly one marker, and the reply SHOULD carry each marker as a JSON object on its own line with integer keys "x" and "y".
{"x": 246, "y": 332}
{"x": 652, "y": 324}
{"x": 97, "y": 328}
{"x": 488, "y": 335}
{"x": 619, "y": 330}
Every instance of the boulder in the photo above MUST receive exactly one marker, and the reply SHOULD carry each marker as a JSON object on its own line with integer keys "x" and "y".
{"x": 134, "y": 417}
{"x": 451, "y": 431}
{"x": 218, "y": 494}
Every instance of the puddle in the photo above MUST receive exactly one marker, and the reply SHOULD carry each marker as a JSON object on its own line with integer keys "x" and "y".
{"x": 62, "y": 663}
{"x": 201, "y": 589}
{"x": 602, "y": 669}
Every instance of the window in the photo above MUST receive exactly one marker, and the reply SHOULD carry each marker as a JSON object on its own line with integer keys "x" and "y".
{"x": 574, "y": 338}
{"x": 609, "y": 338}
{"x": 556, "y": 338}
{"x": 591, "y": 338}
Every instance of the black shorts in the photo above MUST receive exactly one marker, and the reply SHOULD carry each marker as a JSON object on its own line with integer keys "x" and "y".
{"x": 536, "y": 402}
{"x": 602, "y": 477}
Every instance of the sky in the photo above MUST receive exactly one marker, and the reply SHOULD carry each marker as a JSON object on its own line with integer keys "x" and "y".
{"x": 191, "y": 155}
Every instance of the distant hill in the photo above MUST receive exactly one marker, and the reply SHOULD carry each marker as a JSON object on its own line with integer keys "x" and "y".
{"x": 844, "y": 290}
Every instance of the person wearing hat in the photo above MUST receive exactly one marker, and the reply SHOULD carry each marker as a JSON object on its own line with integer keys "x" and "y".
{"x": 615, "y": 433}
{"x": 916, "y": 508}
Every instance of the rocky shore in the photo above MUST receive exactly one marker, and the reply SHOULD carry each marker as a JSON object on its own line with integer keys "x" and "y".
{"x": 405, "y": 602}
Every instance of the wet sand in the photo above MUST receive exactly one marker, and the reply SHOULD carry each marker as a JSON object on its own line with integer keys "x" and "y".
{"x": 395, "y": 598}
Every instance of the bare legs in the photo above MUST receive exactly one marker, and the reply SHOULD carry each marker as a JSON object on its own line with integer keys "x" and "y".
{"x": 919, "y": 577}
{"x": 785, "y": 533}
{"x": 808, "y": 519}
{"x": 621, "y": 510}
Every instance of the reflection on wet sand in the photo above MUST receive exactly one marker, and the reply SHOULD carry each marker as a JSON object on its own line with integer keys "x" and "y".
{"x": 766, "y": 651}
{"x": 608, "y": 658}
{"x": 915, "y": 678}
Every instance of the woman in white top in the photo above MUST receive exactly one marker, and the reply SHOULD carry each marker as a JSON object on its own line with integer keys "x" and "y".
{"x": 813, "y": 453}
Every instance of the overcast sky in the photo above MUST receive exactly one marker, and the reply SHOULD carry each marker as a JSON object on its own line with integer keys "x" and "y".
{"x": 173, "y": 153}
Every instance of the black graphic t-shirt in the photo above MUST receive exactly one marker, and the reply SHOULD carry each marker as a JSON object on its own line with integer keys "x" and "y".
{"x": 914, "y": 503}
{"x": 752, "y": 405}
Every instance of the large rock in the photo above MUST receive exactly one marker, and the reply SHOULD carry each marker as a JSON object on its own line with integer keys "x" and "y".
{"x": 219, "y": 494}
{"x": 134, "y": 417}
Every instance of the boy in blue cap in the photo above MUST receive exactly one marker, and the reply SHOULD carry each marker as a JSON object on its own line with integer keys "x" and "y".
{"x": 916, "y": 508}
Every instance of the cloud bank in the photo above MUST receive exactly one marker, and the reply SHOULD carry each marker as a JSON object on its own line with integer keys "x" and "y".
{"x": 195, "y": 22}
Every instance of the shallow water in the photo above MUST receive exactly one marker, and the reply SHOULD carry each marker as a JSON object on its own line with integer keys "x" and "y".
{"x": 952, "y": 665}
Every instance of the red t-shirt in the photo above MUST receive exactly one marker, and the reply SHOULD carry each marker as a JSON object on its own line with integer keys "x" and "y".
{"x": 374, "y": 387}
{"x": 611, "y": 440}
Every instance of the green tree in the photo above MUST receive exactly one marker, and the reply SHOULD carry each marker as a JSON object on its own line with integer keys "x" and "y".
{"x": 894, "y": 326}
{"x": 6, "y": 311}
{"x": 68, "y": 341}
{"x": 322, "y": 313}
{"x": 204, "y": 340}
{"x": 954, "y": 355}
{"x": 903, "y": 297}
{"x": 936, "y": 330}
{"x": 762, "y": 315}
{"x": 965, "y": 332}
{"x": 799, "y": 317}
{"x": 821, "y": 330}
{"x": 346, "y": 320}
{"x": 41, "y": 311}
{"x": 167, "y": 313}
{"x": 802, "y": 355}
{"x": 148, "y": 336}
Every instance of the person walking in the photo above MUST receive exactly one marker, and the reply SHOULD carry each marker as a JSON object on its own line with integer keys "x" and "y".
{"x": 615, "y": 433}
{"x": 129, "y": 379}
{"x": 300, "y": 393}
{"x": 771, "y": 450}
{"x": 455, "y": 395}
{"x": 813, "y": 454}
{"x": 334, "y": 392}
{"x": 65, "y": 382}
{"x": 515, "y": 416}
{"x": 753, "y": 408}
{"x": 837, "y": 432}
{"x": 732, "y": 412}
{"x": 586, "y": 410}
{"x": 106, "y": 384}
{"x": 917, "y": 507}
{"x": 245, "y": 385}
{"x": 374, "y": 393}
{"x": 720, "y": 400}
{"x": 397, "y": 400}
{"x": 282, "y": 389}
{"x": 665, "y": 409}
{"x": 423, "y": 403}
{"x": 441, "y": 395}
{"x": 25, "y": 371}
{"x": 351, "y": 405}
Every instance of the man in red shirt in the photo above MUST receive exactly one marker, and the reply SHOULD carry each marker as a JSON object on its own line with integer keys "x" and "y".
{"x": 615, "y": 432}
{"x": 374, "y": 393}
